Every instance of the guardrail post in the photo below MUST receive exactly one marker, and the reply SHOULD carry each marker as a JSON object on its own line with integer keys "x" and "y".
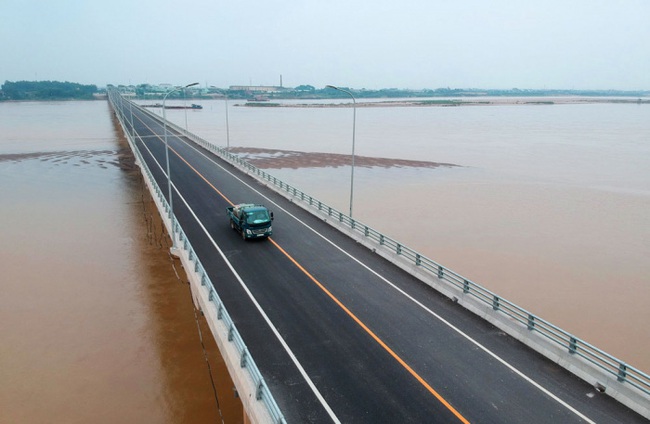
{"x": 398, "y": 249}
{"x": 531, "y": 321}
{"x": 260, "y": 390}
{"x": 495, "y": 303}
{"x": 366, "y": 232}
{"x": 465, "y": 286}
{"x": 573, "y": 344}
{"x": 622, "y": 372}
{"x": 231, "y": 331}
{"x": 418, "y": 260}
{"x": 244, "y": 356}
{"x": 381, "y": 239}
{"x": 219, "y": 311}
{"x": 440, "y": 271}
{"x": 211, "y": 295}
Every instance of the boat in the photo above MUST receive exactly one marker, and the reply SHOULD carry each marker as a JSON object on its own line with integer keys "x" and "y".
{"x": 192, "y": 106}
{"x": 258, "y": 98}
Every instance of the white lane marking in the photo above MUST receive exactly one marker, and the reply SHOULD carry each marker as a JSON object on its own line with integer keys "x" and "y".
{"x": 257, "y": 305}
{"x": 408, "y": 296}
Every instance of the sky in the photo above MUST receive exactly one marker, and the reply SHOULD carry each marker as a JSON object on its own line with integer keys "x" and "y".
{"x": 372, "y": 44}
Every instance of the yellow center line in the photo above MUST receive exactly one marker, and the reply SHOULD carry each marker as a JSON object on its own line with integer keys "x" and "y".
{"x": 373, "y": 335}
{"x": 202, "y": 177}
{"x": 343, "y": 307}
{"x": 154, "y": 134}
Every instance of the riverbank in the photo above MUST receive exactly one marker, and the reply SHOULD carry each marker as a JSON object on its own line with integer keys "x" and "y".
{"x": 427, "y": 102}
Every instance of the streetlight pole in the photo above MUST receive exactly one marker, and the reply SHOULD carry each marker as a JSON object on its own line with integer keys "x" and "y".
{"x": 185, "y": 106}
{"x": 225, "y": 95}
{"x": 354, "y": 125}
{"x": 169, "y": 176}
{"x": 132, "y": 128}
{"x": 227, "y": 126}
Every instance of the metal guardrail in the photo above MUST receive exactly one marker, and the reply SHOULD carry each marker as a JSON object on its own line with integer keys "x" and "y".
{"x": 245, "y": 359}
{"x": 623, "y": 372}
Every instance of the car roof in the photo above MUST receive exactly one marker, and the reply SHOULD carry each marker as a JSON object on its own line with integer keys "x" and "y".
{"x": 254, "y": 208}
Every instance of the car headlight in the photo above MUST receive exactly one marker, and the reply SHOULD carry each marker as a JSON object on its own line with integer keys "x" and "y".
{"x": 248, "y": 232}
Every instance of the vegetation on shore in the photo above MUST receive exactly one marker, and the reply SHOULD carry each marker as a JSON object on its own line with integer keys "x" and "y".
{"x": 55, "y": 90}
{"x": 309, "y": 92}
{"x": 46, "y": 90}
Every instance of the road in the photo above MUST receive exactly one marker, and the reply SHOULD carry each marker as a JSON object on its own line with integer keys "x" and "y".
{"x": 341, "y": 335}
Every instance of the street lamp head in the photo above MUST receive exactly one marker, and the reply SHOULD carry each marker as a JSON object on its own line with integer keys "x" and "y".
{"x": 177, "y": 89}
{"x": 342, "y": 91}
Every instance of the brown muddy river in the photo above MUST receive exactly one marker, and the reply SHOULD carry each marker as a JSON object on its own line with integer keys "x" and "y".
{"x": 548, "y": 208}
{"x": 95, "y": 325}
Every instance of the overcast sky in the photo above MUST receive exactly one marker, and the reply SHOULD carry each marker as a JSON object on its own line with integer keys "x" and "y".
{"x": 567, "y": 44}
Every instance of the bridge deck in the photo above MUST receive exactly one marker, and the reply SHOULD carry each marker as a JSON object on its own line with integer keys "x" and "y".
{"x": 343, "y": 335}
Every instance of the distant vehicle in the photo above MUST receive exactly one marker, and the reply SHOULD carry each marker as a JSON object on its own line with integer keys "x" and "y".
{"x": 250, "y": 220}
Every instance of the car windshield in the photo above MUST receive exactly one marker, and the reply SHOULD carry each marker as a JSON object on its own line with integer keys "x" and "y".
{"x": 257, "y": 217}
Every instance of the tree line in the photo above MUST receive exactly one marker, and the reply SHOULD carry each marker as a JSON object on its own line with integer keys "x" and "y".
{"x": 46, "y": 90}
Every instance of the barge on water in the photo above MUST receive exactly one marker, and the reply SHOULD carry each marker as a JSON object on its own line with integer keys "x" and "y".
{"x": 192, "y": 106}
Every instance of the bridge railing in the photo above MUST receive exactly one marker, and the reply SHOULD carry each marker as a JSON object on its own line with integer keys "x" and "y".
{"x": 245, "y": 360}
{"x": 612, "y": 366}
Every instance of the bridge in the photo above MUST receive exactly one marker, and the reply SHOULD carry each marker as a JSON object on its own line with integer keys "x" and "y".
{"x": 330, "y": 321}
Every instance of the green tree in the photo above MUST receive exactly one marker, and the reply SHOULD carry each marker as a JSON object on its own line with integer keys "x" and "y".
{"x": 47, "y": 90}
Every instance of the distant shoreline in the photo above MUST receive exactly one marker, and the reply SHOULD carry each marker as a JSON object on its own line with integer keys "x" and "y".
{"x": 420, "y": 102}
{"x": 537, "y": 101}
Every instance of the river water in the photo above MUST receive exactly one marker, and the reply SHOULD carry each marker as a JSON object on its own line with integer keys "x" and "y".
{"x": 95, "y": 325}
{"x": 548, "y": 208}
